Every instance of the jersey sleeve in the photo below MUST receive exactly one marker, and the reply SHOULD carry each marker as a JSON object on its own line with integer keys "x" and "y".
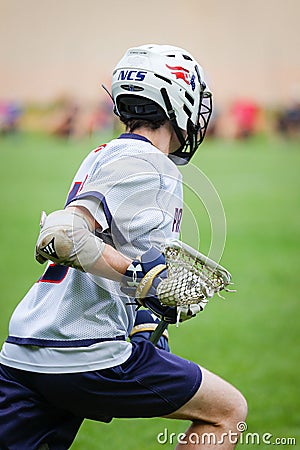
{"x": 95, "y": 209}
{"x": 135, "y": 197}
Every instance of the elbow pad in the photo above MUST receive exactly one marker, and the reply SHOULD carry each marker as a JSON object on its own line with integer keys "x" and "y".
{"x": 66, "y": 239}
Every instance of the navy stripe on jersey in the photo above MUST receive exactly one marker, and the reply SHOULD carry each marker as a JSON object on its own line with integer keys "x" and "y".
{"x": 100, "y": 197}
{"x": 112, "y": 225}
{"x": 58, "y": 343}
{"x": 134, "y": 136}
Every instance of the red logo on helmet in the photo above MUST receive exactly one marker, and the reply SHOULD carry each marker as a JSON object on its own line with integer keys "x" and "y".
{"x": 180, "y": 72}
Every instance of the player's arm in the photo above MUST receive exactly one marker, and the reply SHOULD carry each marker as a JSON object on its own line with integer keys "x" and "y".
{"x": 67, "y": 237}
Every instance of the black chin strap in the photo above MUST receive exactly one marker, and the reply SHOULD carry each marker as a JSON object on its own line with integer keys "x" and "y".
{"x": 172, "y": 117}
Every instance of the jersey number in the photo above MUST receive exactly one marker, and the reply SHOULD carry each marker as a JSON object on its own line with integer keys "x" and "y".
{"x": 54, "y": 274}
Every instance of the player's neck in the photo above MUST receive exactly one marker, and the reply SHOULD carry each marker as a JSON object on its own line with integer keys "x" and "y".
{"x": 160, "y": 138}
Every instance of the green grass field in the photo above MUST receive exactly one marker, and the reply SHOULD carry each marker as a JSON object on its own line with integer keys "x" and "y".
{"x": 251, "y": 339}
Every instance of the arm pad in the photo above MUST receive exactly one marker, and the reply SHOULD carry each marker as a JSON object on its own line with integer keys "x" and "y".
{"x": 65, "y": 238}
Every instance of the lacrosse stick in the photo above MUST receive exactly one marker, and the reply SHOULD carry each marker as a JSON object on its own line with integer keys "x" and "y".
{"x": 193, "y": 278}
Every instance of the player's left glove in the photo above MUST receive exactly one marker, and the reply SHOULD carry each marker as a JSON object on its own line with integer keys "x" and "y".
{"x": 141, "y": 280}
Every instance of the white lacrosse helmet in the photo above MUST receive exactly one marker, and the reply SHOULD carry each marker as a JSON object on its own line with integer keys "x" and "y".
{"x": 152, "y": 82}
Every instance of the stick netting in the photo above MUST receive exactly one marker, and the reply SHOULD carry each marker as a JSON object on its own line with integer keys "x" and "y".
{"x": 192, "y": 277}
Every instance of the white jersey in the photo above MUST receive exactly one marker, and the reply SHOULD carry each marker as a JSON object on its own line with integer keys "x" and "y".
{"x": 71, "y": 321}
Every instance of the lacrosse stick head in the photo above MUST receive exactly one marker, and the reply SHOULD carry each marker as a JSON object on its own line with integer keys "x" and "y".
{"x": 192, "y": 277}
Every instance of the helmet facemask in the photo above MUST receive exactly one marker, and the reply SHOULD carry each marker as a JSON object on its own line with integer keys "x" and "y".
{"x": 194, "y": 133}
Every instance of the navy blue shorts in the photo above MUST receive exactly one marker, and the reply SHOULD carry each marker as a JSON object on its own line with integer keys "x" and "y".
{"x": 151, "y": 383}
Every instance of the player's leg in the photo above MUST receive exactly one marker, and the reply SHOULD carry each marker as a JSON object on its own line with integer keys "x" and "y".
{"x": 27, "y": 421}
{"x": 215, "y": 411}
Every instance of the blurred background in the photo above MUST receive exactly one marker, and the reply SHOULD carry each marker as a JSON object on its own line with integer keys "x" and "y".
{"x": 54, "y": 56}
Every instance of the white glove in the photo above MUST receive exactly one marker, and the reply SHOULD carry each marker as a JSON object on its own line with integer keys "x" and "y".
{"x": 187, "y": 312}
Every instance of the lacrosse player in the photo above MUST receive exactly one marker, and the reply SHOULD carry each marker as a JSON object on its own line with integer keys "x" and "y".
{"x": 68, "y": 355}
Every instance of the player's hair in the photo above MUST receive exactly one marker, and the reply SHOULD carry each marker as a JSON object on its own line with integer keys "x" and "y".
{"x": 134, "y": 124}
{"x": 138, "y": 112}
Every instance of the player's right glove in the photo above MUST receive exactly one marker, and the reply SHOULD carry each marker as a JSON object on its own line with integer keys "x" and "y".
{"x": 141, "y": 280}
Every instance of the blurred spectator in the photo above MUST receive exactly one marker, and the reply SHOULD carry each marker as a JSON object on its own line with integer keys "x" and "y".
{"x": 66, "y": 123}
{"x": 288, "y": 121}
{"x": 101, "y": 119}
{"x": 10, "y": 114}
{"x": 245, "y": 114}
